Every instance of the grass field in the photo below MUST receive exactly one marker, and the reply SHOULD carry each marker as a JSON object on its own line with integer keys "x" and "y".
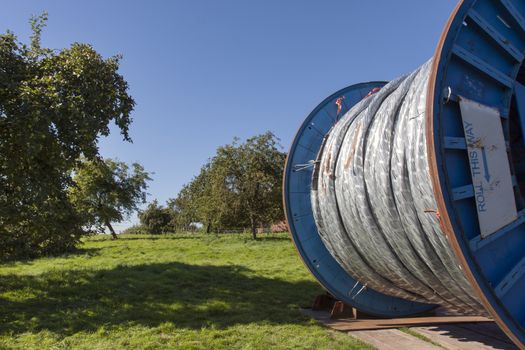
{"x": 164, "y": 292}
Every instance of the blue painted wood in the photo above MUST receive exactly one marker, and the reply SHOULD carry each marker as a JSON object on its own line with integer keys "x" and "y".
{"x": 467, "y": 191}
{"x": 467, "y": 67}
{"x": 470, "y": 58}
{"x": 514, "y": 12}
{"x": 455, "y": 143}
{"x": 463, "y": 192}
{"x": 460, "y": 143}
{"x": 510, "y": 279}
{"x": 478, "y": 242}
{"x": 499, "y": 38}
{"x": 452, "y": 97}
{"x": 519, "y": 91}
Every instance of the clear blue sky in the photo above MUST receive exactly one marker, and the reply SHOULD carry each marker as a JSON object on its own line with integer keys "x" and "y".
{"x": 203, "y": 72}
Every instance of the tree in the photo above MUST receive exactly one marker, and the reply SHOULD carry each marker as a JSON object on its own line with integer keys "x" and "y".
{"x": 183, "y": 209}
{"x": 254, "y": 173}
{"x": 240, "y": 185}
{"x": 212, "y": 199}
{"x": 106, "y": 191}
{"x": 54, "y": 106}
{"x": 194, "y": 201}
{"x": 197, "y": 202}
{"x": 156, "y": 218}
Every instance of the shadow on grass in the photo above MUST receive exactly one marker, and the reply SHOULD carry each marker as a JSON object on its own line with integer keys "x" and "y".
{"x": 154, "y": 238}
{"x": 73, "y": 252}
{"x": 189, "y": 296}
{"x": 274, "y": 238}
{"x": 80, "y": 252}
{"x": 245, "y": 237}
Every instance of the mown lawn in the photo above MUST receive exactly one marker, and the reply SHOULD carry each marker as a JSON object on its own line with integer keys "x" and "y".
{"x": 164, "y": 292}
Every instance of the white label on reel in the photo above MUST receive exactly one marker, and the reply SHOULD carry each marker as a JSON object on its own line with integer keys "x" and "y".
{"x": 489, "y": 166}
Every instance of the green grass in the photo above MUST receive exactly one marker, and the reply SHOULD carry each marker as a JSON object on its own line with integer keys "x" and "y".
{"x": 164, "y": 292}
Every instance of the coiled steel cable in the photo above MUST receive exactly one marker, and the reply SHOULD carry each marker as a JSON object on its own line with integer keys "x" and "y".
{"x": 373, "y": 202}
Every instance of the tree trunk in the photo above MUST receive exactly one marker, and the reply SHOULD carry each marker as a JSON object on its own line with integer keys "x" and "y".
{"x": 254, "y": 227}
{"x": 208, "y": 227}
{"x": 113, "y": 234}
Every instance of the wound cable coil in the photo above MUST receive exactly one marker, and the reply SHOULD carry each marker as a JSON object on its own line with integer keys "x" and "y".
{"x": 373, "y": 202}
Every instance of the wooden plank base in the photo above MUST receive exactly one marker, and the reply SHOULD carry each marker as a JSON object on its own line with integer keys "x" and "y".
{"x": 467, "y": 336}
{"x": 451, "y": 332}
{"x": 393, "y": 339}
{"x": 351, "y": 324}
